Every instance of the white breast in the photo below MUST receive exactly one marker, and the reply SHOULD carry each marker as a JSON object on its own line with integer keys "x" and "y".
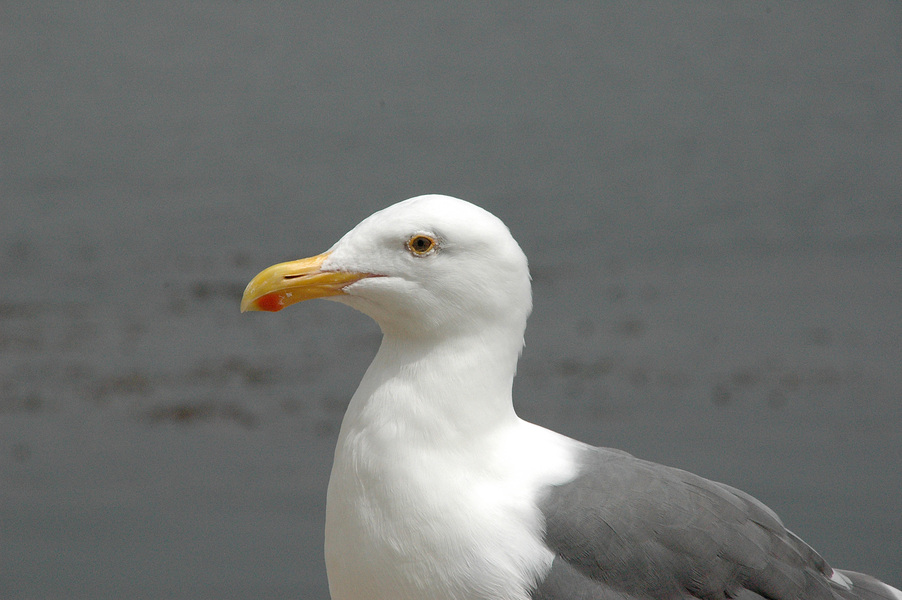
{"x": 414, "y": 520}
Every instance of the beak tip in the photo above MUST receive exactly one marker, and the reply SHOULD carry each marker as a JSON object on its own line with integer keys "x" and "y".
{"x": 251, "y": 305}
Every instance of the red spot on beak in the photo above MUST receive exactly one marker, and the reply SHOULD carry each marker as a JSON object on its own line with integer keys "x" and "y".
{"x": 270, "y": 302}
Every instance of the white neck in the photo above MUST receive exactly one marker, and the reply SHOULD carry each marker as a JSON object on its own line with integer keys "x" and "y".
{"x": 442, "y": 392}
{"x": 433, "y": 488}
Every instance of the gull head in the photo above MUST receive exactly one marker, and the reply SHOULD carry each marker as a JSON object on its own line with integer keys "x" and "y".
{"x": 430, "y": 266}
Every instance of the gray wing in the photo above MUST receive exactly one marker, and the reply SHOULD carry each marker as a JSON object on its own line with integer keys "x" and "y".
{"x": 627, "y": 529}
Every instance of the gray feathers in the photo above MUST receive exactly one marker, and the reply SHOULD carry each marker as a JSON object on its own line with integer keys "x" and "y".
{"x": 627, "y": 528}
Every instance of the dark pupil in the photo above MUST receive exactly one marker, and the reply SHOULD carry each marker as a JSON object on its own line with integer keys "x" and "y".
{"x": 421, "y": 244}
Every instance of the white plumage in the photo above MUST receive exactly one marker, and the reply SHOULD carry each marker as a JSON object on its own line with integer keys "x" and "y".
{"x": 440, "y": 492}
{"x": 433, "y": 489}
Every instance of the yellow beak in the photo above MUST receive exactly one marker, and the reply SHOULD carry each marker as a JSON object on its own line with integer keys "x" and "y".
{"x": 287, "y": 283}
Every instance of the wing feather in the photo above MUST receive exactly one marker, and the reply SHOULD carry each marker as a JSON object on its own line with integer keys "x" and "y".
{"x": 630, "y": 527}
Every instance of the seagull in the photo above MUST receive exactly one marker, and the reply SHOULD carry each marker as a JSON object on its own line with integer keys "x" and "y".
{"x": 439, "y": 491}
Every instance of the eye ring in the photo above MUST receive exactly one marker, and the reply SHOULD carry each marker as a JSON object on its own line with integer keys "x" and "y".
{"x": 421, "y": 244}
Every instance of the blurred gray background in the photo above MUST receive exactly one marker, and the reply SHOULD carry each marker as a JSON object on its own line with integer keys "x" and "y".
{"x": 710, "y": 195}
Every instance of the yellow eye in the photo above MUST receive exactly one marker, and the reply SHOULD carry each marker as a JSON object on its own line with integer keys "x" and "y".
{"x": 421, "y": 245}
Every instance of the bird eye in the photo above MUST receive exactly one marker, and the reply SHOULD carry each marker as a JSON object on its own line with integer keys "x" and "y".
{"x": 421, "y": 245}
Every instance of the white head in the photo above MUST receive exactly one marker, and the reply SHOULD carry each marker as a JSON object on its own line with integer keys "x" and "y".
{"x": 428, "y": 266}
